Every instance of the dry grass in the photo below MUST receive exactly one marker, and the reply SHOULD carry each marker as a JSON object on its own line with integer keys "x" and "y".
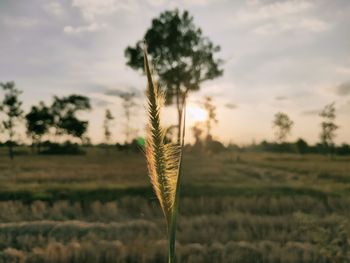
{"x": 259, "y": 209}
{"x": 212, "y": 229}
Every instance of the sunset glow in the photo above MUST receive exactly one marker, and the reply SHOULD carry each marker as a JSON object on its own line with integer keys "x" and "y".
{"x": 195, "y": 114}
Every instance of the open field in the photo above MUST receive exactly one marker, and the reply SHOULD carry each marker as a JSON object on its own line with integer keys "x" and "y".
{"x": 245, "y": 207}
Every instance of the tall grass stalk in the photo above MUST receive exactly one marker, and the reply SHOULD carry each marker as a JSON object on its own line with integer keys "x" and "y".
{"x": 163, "y": 159}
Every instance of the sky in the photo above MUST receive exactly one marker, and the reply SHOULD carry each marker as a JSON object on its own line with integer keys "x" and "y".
{"x": 291, "y": 56}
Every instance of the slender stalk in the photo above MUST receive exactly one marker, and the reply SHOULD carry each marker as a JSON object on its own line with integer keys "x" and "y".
{"x": 164, "y": 160}
{"x": 173, "y": 219}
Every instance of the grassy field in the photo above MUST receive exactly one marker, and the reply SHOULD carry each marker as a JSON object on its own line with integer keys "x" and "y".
{"x": 245, "y": 207}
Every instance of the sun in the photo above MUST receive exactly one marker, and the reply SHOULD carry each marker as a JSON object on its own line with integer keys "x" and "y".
{"x": 196, "y": 114}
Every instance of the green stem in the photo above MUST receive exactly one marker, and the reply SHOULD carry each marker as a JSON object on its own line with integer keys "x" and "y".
{"x": 173, "y": 220}
{"x": 174, "y": 212}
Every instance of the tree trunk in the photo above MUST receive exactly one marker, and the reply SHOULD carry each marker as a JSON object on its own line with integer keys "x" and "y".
{"x": 180, "y": 103}
{"x": 10, "y": 141}
{"x": 179, "y": 113}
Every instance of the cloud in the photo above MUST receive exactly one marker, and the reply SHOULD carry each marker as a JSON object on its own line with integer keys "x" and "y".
{"x": 21, "y": 22}
{"x": 90, "y": 9}
{"x": 258, "y": 12}
{"x": 280, "y": 16}
{"x": 101, "y": 102}
{"x": 122, "y": 91}
{"x": 94, "y": 27}
{"x": 308, "y": 24}
{"x": 343, "y": 89}
{"x": 281, "y": 98}
{"x": 231, "y": 106}
{"x": 156, "y": 2}
{"x": 344, "y": 108}
{"x": 314, "y": 25}
{"x": 310, "y": 112}
{"x": 343, "y": 70}
{"x": 197, "y": 2}
{"x": 54, "y": 8}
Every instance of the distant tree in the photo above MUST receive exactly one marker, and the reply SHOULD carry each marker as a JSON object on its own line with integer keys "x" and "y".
{"x": 128, "y": 105}
{"x": 107, "y": 125}
{"x": 301, "y": 146}
{"x": 65, "y": 118}
{"x": 169, "y": 133}
{"x": 11, "y": 107}
{"x": 211, "y": 118}
{"x": 38, "y": 121}
{"x": 197, "y": 132}
{"x": 182, "y": 57}
{"x": 86, "y": 141}
{"x": 344, "y": 149}
{"x": 283, "y": 125}
{"x": 213, "y": 146}
{"x": 328, "y": 127}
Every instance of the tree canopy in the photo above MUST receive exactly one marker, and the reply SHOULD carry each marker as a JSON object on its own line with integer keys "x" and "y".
{"x": 182, "y": 57}
{"x": 11, "y": 107}
{"x": 328, "y": 127}
{"x": 65, "y": 111}
{"x": 38, "y": 121}
{"x": 283, "y": 125}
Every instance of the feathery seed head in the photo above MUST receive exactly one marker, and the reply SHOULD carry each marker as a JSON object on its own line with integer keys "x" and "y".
{"x": 162, "y": 159}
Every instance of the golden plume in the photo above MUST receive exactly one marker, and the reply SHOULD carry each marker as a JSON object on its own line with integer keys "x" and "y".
{"x": 163, "y": 159}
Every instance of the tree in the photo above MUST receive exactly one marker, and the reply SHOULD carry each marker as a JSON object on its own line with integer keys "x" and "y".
{"x": 301, "y": 146}
{"x": 107, "y": 125}
{"x": 211, "y": 119}
{"x": 328, "y": 127}
{"x": 11, "y": 107}
{"x": 283, "y": 125}
{"x": 128, "y": 104}
{"x": 169, "y": 133}
{"x": 38, "y": 122}
{"x": 197, "y": 133}
{"x": 182, "y": 57}
{"x": 64, "y": 112}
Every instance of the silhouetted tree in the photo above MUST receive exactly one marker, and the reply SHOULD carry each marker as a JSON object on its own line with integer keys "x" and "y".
{"x": 128, "y": 104}
{"x": 197, "y": 133}
{"x": 107, "y": 125}
{"x": 64, "y": 112}
{"x": 328, "y": 126}
{"x": 344, "y": 149}
{"x": 182, "y": 57}
{"x": 214, "y": 146}
{"x": 38, "y": 122}
{"x": 211, "y": 118}
{"x": 169, "y": 133}
{"x": 283, "y": 125}
{"x": 11, "y": 106}
{"x": 301, "y": 146}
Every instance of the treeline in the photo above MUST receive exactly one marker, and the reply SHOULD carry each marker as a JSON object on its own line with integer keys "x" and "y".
{"x": 56, "y": 122}
{"x": 300, "y": 146}
{"x": 57, "y": 129}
